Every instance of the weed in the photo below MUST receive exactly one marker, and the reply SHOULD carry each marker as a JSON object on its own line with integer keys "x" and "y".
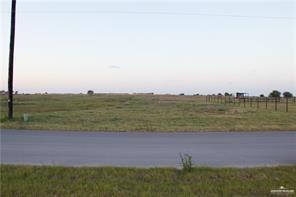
{"x": 186, "y": 161}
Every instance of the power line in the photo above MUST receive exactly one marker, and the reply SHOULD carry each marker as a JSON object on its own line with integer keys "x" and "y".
{"x": 159, "y": 13}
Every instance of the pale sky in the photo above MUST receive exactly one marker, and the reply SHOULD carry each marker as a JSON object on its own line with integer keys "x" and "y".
{"x": 157, "y": 46}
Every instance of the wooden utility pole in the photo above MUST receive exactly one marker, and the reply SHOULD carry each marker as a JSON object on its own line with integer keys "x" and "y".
{"x": 11, "y": 55}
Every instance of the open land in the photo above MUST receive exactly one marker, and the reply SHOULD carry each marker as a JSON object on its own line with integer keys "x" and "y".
{"x": 120, "y": 112}
{"x": 150, "y": 113}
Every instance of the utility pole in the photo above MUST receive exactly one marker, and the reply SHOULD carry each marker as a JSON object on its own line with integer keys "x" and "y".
{"x": 11, "y": 54}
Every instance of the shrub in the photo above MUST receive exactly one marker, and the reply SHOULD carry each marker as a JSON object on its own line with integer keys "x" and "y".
{"x": 90, "y": 92}
{"x": 186, "y": 161}
{"x": 261, "y": 95}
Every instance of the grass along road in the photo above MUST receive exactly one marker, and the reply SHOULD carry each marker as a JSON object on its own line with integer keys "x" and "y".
{"x": 107, "y": 112}
{"x": 109, "y": 181}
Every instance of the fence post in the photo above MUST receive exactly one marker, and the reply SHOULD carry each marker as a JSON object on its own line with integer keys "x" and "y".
{"x": 258, "y": 103}
{"x": 275, "y": 103}
{"x": 244, "y": 102}
{"x": 286, "y": 104}
{"x": 251, "y": 104}
{"x": 266, "y": 102}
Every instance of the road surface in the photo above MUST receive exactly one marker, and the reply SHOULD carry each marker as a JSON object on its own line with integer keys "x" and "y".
{"x": 216, "y": 149}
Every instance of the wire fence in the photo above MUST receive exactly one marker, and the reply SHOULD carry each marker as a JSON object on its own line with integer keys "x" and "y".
{"x": 276, "y": 103}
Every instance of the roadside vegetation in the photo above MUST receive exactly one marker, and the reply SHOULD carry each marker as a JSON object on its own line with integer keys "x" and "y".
{"x": 114, "y": 112}
{"x": 110, "y": 181}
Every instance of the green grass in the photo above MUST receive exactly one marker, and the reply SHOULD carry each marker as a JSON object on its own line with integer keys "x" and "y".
{"x": 103, "y": 112}
{"x": 109, "y": 181}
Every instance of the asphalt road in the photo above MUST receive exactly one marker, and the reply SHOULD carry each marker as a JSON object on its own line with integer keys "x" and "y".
{"x": 218, "y": 149}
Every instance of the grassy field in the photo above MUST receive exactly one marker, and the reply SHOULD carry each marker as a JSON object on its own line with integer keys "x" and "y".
{"x": 103, "y": 112}
{"x": 108, "y": 181}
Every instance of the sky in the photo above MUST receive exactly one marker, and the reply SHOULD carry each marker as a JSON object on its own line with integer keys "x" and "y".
{"x": 165, "y": 47}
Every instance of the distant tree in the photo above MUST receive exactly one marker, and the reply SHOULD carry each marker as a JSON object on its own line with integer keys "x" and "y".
{"x": 275, "y": 94}
{"x": 196, "y": 94}
{"x": 261, "y": 95}
{"x": 219, "y": 94}
{"x": 181, "y": 94}
{"x": 226, "y": 94}
{"x": 288, "y": 94}
{"x": 90, "y": 92}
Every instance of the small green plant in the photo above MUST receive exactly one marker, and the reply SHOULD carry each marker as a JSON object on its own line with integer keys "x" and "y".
{"x": 186, "y": 161}
{"x": 223, "y": 109}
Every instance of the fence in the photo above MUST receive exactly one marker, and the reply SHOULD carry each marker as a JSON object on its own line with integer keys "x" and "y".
{"x": 253, "y": 101}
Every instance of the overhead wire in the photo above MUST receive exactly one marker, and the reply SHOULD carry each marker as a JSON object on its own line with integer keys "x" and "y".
{"x": 160, "y": 13}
